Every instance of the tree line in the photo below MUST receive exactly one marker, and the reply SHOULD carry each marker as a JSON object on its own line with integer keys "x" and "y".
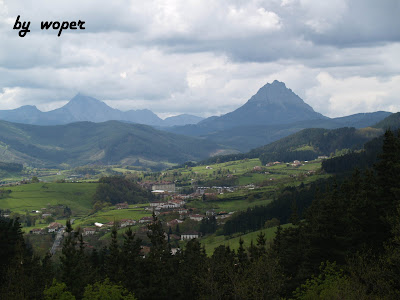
{"x": 117, "y": 189}
{"x": 346, "y": 246}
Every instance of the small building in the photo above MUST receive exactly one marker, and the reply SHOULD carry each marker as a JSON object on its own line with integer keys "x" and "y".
{"x": 169, "y": 205}
{"x": 165, "y": 186}
{"x": 89, "y": 231}
{"x": 127, "y": 222}
{"x": 54, "y": 226}
{"x": 97, "y": 224}
{"x": 37, "y": 231}
{"x": 270, "y": 164}
{"x": 296, "y": 163}
{"x": 109, "y": 224}
{"x": 210, "y": 212}
{"x": 122, "y": 205}
{"x": 174, "y": 222}
{"x": 190, "y": 235}
{"x": 178, "y": 202}
{"x": 196, "y": 217}
{"x": 146, "y": 220}
{"x": 182, "y": 211}
{"x": 175, "y": 250}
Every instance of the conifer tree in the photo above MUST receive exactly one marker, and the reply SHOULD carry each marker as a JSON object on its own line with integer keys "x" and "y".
{"x": 112, "y": 262}
{"x": 241, "y": 254}
{"x": 73, "y": 262}
{"x": 131, "y": 261}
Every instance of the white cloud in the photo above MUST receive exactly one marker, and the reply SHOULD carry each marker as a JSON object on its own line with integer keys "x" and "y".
{"x": 323, "y": 15}
{"x": 122, "y": 75}
{"x": 344, "y": 96}
{"x": 203, "y": 57}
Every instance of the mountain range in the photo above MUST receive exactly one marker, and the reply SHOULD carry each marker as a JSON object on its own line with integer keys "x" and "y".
{"x": 81, "y": 132}
{"x": 272, "y": 113}
{"x": 85, "y": 108}
{"x": 110, "y": 142}
{"x": 273, "y": 104}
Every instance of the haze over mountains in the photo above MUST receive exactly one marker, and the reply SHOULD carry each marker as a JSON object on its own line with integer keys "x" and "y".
{"x": 85, "y": 108}
{"x": 110, "y": 142}
{"x": 272, "y": 113}
{"x": 273, "y": 104}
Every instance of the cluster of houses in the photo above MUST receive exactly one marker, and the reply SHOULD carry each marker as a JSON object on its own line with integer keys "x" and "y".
{"x": 270, "y": 164}
{"x": 53, "y": 227}
{"x": 296, "y": 163}
{"x": 174, "y": 203}
{"x": 218, "y": 190}
{"x": 170, "y": 204}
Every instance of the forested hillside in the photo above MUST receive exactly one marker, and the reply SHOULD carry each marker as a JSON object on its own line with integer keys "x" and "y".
{"x": 344, "y": 245}
{"x": 307, "y": 144}
{"x": 103, "y": 143}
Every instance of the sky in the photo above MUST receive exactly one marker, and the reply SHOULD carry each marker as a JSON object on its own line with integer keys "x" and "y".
{"x": 202, "y": 57}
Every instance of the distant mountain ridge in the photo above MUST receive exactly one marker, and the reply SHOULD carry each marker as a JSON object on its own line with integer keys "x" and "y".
{"x": 85, "y": 108}
{"x": 110, "y": 142}
{"x": 180, "y": 120}
{"x": 248, "y": 137}
{"x": 274, "y": 112}
{"x": 309, "y": 143}
{"x": 273, "y": 104}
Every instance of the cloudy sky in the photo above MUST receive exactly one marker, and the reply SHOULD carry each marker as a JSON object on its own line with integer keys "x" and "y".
{"x": 204, "y": 57}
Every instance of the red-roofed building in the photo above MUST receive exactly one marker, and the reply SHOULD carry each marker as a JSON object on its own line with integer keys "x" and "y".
{"x": 122, "y": 205}
{"x": 127, "y": 222}
{"x": 54, "y": 226}
{"x": 146, "y": 220}
{"x": 196, "y": 217}
{"x": 174, "y": 222}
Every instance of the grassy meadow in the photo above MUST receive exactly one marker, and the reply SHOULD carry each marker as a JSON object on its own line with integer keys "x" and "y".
{"x": 135, "y": 212}
{"x": 213, "y": 241}
{"x": 35, "y": 196}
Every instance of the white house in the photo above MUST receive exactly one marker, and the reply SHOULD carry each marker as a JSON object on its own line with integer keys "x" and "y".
{"x": 89, "y": 231}
{"x": 54, "y": 226}
{"x": 190, "y": 235}
{"x": 196, "y": 217}
{"x": 127, "y": 222}
{"x": 146, "y": 220}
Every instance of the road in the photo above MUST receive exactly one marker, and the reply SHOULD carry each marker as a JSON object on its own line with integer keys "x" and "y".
{"x": 57, "y": 241}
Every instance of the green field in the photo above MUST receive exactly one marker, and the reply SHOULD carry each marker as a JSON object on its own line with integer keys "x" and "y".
{"x": 244, "y": 171}
{"x": 135, "y": 212}
{"x": 257, "y": 188}
{"x": 211, "y": 242}
{"x": 35, "y": 196}
{"x": 41, "y": 225}
{"x": 237, "y": 167}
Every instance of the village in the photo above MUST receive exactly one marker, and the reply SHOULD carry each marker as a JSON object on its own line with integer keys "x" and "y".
{"x": 170, "y": 208}
{"x": 184, "y": 215}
